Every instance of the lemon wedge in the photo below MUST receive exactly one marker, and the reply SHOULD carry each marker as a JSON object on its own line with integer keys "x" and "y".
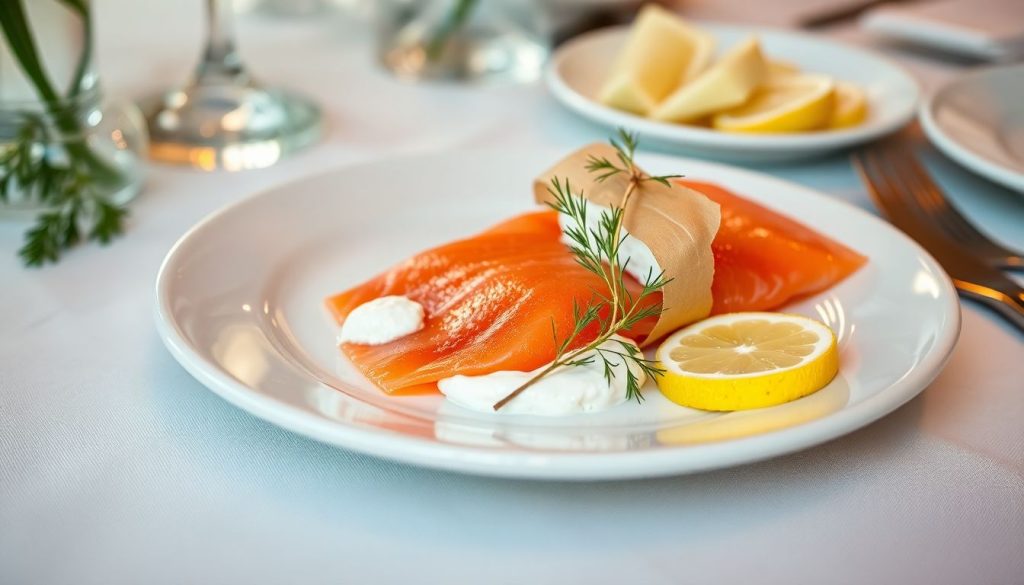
{"x": 662, "y": 52}
{"x": 740, "y": 361}
{"x": 727, "y": 83}
{"x": 793, "y": 104}
{"x": 850, "y": 106}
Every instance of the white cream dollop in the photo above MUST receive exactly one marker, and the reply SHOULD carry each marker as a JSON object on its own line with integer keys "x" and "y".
{"x": 382, "y": 320}
{"x": 642, "y": 264}
{"x": 568, "y": 390}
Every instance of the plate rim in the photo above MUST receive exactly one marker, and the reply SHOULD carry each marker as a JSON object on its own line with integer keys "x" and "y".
{"x": 966, "y": 157}
{"x": 546, "y": 465}
{"x": 686, "y": 136}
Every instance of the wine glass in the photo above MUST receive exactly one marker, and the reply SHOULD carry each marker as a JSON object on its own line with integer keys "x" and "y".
{"x": 223, "y": 119}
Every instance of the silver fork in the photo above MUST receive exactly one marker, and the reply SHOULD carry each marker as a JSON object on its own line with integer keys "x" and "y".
{"x": 886, "y": 179}
{"x": 933, "y": 202}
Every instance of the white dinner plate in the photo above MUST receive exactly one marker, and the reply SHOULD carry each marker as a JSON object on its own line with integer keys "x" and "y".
{"x": 978, "y": 121}
{"x": 580, "y": 66}
{"x": 239, "y": 303}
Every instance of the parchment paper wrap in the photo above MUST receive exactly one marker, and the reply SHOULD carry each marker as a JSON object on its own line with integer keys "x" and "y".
{"x": 677, "y": 224}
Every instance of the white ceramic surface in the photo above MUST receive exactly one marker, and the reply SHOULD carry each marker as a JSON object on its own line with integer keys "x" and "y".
{"x": 580, "y": 66}
{"x": 239, "y": 305}
{"x": 978, "y": 121}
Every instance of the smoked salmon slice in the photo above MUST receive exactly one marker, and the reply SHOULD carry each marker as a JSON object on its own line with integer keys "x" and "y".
{"x": 492, "y": 300}
{"x": 490, "y": 303}
{"x": 764, "y": 260}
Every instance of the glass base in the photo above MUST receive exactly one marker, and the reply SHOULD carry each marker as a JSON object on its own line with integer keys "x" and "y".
{"x": 498, "y": 40}
{"x": 228, "y": 126}
{"x": 293, "y": 8}
{"x": 490, "y": 59}
{"x": 26, "y": 210}
{"x": 114, "y": 135}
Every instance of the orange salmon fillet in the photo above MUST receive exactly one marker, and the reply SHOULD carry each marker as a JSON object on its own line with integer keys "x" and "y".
{"x": 491, "y": 300}
{"x": 490, "y": 303}
{"x": 764, "y": 260}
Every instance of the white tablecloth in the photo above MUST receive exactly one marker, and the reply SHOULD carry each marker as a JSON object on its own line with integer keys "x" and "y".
{"x": 117, "y": 467}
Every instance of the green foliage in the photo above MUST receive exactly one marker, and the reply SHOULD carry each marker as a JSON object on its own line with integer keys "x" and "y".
{"x": 75, "y": 209}
{"x": 56, "y": 168}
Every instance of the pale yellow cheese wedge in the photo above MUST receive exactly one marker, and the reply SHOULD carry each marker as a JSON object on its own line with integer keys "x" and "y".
{"x": 661, "y": 53}
{"x": 795, "y": 104}
{"x": 850, "y": 106}
{"x": 779, "y": 70}
{"x": 726, "y": 84}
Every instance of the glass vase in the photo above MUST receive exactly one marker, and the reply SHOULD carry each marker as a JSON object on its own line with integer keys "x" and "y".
{"x": 57, "y": 134}
{"x": 463, "y": 40}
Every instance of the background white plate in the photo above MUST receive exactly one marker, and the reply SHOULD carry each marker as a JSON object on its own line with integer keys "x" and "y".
{"x": 978, "y": 121}
{"x": 239, "y": 304}
{"x": 580, "y": 66}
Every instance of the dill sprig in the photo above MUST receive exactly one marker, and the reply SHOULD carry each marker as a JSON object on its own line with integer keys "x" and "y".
{"x": 614, "y": 309}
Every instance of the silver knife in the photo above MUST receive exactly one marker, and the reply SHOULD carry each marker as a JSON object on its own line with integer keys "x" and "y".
{"x": 972, "y": 277}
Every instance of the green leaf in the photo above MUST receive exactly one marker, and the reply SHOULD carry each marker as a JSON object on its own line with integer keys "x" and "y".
{"x": 81, "y": 8}
{"x": 19, "y": 38}
{"x": 108, "y": 221}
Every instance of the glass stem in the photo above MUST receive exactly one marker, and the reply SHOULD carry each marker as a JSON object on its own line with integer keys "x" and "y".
{"x": 220, "y": 58}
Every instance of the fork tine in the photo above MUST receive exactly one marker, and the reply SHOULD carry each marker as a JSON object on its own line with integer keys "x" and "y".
{"x": 959, "y": 226}
{"x": 888, "y": 165}
{"x": 939, "y": 207}
{"x": 887, "y": 188}
{"x": 906, "y": 174}
{"x": 874, "y": 163}
{"x": 887, "y": 172}
{"x": 907, "y": 167}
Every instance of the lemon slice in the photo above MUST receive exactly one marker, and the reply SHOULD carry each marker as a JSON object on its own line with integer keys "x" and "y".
{"x": 850, "y": 106}
{"x": 795, "y": 104}
{"x": 747, "y": 360}
{"x": 662, "y": 52}
{"x": 727, "y": 83}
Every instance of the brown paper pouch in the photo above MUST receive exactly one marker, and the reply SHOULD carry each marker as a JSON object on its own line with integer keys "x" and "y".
{"x": 677, "y": 224}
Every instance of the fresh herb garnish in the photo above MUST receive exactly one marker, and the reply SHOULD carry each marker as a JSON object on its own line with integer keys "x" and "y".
{"x": 597, "y": 250}
{"x": 50, "y": 160}
{"x": 66, "y": 188}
